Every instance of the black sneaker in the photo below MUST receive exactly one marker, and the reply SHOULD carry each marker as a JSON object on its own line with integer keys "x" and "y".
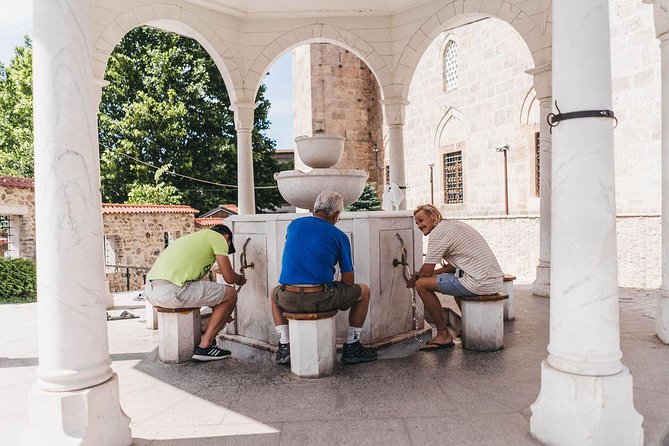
{"x": 356, "y": 353}
{"x": 282, "y": 354}
{"x": 211, "y": 353}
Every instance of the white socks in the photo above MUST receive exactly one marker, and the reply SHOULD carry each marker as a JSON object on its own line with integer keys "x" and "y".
{"x": 353, "y": 335}
{"x": 282, "y": 332}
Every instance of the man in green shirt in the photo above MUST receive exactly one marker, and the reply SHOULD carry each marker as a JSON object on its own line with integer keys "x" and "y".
{"x": 175, "y": 282}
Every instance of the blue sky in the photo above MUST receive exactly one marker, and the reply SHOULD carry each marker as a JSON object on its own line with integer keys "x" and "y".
{"x": 16, "y": 21}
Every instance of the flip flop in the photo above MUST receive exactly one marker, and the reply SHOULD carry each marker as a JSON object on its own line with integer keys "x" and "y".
{"x": 124, "y": 315}
{"x": 430, "y": 346}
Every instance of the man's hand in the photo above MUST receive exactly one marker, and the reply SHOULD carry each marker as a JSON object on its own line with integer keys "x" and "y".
{"x": 241, "y": 280}
{"x": 412, "y": 280}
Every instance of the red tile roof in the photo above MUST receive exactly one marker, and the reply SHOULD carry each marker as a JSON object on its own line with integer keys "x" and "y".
{"x": 114, "y": 208}
{"x": 209, "y": 222}
{"x": 231, "y": 207}
{"x": 21, "y": 183}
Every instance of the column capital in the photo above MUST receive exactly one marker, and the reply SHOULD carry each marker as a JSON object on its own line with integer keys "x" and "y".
{"x": 661, "y": 16}
{"x": 393, "y": 109}
{"x": 244, "y": 114}
{"x": 542, "y": 76}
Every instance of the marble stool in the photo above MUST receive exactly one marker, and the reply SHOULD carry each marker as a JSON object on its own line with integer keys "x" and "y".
{"x": 179, "y": 331}
{"x": 507, "y": 289}
{"x": 313, "y": 348}
{"x": 483, "y": 322}
{"x": 151, "y": 316}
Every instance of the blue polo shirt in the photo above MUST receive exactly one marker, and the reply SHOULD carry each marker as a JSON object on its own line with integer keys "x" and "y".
{"x": 313, "y": 248}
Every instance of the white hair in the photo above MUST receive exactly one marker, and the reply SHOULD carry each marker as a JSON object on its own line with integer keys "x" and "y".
{"x": 329, "y": 202}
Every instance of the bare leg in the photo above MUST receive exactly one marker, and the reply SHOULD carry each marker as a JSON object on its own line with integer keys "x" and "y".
{"x": 358, "y": 312}
{"x": 277, "y": 312}
{"x": 426, "y": 287}
{"x": 219, "y": 316}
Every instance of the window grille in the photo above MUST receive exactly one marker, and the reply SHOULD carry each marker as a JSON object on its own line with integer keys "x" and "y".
{"x": 387, "y": 169}
{"x": 111, "y": 257}
{"x": 450, "y": 66}
{"x": 5, "y": 228}
{"x": 453, "y": 184}
{"x": 537, "y": 165}
{"x": 167, "y": 238}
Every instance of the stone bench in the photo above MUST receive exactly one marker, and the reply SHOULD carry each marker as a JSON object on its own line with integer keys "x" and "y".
{"x": 483, "y": 322}
{"x": 179, "y": 331}
{"x": 507, "y": 289}
{"x": 313, "y": 348}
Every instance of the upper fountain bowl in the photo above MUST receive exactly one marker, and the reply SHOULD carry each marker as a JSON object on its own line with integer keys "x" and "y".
{"x": 320, "y": 151}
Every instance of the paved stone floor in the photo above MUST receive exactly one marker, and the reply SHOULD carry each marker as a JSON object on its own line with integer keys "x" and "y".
{"x": 456, "y": 397}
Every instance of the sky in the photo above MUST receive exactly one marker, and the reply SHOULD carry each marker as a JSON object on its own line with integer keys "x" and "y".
{"x": 16, "y": 21}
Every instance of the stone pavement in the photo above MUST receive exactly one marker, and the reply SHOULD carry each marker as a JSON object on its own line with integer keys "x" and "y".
{"x": 453, "y": 396}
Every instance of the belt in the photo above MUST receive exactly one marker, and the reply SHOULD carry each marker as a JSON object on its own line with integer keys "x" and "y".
{"x": 161, "y": 282}
{"x": 303, "y": 289}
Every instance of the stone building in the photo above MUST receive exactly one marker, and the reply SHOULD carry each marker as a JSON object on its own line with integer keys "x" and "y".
{"x": 17, "y": 217}
{"x": 472, "y": 122}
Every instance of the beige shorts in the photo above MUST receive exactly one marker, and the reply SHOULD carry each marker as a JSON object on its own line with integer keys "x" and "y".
{"x": 193, "y": 294}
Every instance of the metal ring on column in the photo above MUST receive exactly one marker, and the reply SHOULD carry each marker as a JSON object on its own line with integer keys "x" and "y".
{"x": 554, "y": 119}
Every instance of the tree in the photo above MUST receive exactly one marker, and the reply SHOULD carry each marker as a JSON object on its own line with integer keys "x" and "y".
{"x": 166, "y": 102}
{"x": 368, "y": 200}
{"x": 155, "y": 193}
{"x": 16, "y": 114}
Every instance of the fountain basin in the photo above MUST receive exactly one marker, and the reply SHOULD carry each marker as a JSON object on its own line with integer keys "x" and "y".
{"x": 321, "y": 150}
{"x": 301, "y": 188}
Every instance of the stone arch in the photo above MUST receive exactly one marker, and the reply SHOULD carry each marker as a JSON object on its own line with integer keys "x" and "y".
{"x": 532, "y": 23}
{"x": 175, "y": 19}
{"x": 530, "y": 108}
{"x": 318, "y": 33}
{"x": 451, "y": 117}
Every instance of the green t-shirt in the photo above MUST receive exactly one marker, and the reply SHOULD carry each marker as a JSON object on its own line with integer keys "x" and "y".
{"x": 189, "y": 258}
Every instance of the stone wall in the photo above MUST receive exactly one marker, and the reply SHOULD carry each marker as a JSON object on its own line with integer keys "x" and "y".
{"x": 19, "y": 205}
{"x": 344, "y": 100}
{"x": 138, "y": 239}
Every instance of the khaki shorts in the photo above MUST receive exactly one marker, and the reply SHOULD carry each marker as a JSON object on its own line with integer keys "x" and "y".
{"x": 193, "y": 294}
{"x": 340, "y": 296}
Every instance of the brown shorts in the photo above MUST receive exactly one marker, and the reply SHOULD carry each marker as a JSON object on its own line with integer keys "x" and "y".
{"x": 340, "y": 296}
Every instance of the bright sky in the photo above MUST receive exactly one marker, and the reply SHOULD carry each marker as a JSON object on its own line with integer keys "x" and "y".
{"x": 16, "y": 22}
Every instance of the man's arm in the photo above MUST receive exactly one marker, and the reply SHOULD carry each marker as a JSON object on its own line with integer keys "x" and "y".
{"x": 425, "y": 271}
{"x": 228, "y": 273}
{"x": 348, "y": 278}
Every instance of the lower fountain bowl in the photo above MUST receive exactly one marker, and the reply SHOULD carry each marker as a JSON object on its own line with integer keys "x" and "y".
{"x": 301, "y": 188}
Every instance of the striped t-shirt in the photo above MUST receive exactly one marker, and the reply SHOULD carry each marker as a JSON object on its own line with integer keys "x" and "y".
{"x": 463, "y": 247}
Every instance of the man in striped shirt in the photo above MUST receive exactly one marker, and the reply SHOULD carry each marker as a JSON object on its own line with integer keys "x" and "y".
{"x": 471, "y": 268}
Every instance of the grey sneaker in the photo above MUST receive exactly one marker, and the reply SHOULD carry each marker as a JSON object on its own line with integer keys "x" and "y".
{"x": 356, "y": 353}
{"x": 282, "y": 354}
{"x": 211, "y": 353}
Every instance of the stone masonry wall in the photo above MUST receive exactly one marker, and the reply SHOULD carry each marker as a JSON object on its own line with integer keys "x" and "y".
{"x": 19, "y": 204}
{"x": 139, "y": 239}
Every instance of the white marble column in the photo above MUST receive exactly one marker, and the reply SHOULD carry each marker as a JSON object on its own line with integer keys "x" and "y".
{"x": 75, "y": 399}
{"x": 661, "y": 13}
{"x": 393, "y": 111}
{"x": 586, "y": 392}
{"x": 246, "y": 199}
{"x": 542, "y": 86}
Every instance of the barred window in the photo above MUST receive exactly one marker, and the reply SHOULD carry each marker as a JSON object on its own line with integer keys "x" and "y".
{"x": 450, "y": 62}
{"x": 167, "y": 239}
{"x": 4, "y": 235}
{"x": 453, "y": 184}
{"x": 387, "y": 170}
{"x": 537, "y": 169}
{"x": 111, "y": 256}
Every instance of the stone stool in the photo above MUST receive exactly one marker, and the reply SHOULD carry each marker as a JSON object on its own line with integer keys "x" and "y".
{"x": 313, "y": 348}
{"x": 179, "y": 332}
{"x": 151, "y": 316}
{"x": 483, "y": 322}
{"x": 507, "y": 289}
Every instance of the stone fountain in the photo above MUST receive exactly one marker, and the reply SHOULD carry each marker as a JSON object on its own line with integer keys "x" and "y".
{"x": 384, "y": 244}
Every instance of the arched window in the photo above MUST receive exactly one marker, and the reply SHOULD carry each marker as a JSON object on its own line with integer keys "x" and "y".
{"x": 450, "y": 64}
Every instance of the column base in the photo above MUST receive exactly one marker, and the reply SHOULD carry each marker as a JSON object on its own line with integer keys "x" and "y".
{"x": 587, "y": 410}
{"x": 662, "y": 316}
{"x": 542, "y": 284}
{"x": 90, "y": 416}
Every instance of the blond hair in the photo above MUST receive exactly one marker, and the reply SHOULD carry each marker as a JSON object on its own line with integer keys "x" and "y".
{"x": 430, "y": 211}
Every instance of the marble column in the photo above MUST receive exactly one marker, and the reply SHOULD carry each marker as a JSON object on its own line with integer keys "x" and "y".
{"x": 393, "y": 111}
{"x": 75, "y": 398}
{"x": 586, "y": 391}
{"x": 246, "y": 200}
{"x": 661, "y": 14}
{"x": 542, "y": 86}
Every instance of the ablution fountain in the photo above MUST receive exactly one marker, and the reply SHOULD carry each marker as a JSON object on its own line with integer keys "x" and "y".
{"x": 385, "y": 245}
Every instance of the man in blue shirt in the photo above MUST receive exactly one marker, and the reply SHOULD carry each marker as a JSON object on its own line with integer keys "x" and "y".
{"x": 314, "y": 245}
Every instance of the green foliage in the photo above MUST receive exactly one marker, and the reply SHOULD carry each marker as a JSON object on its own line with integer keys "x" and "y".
{"x": 166, "y": 102}
{"x": 368, "y": 201}
{"x": 158, "y": 193}
{"x": 16, "y": 114}
{"x": 17, "y": 281}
